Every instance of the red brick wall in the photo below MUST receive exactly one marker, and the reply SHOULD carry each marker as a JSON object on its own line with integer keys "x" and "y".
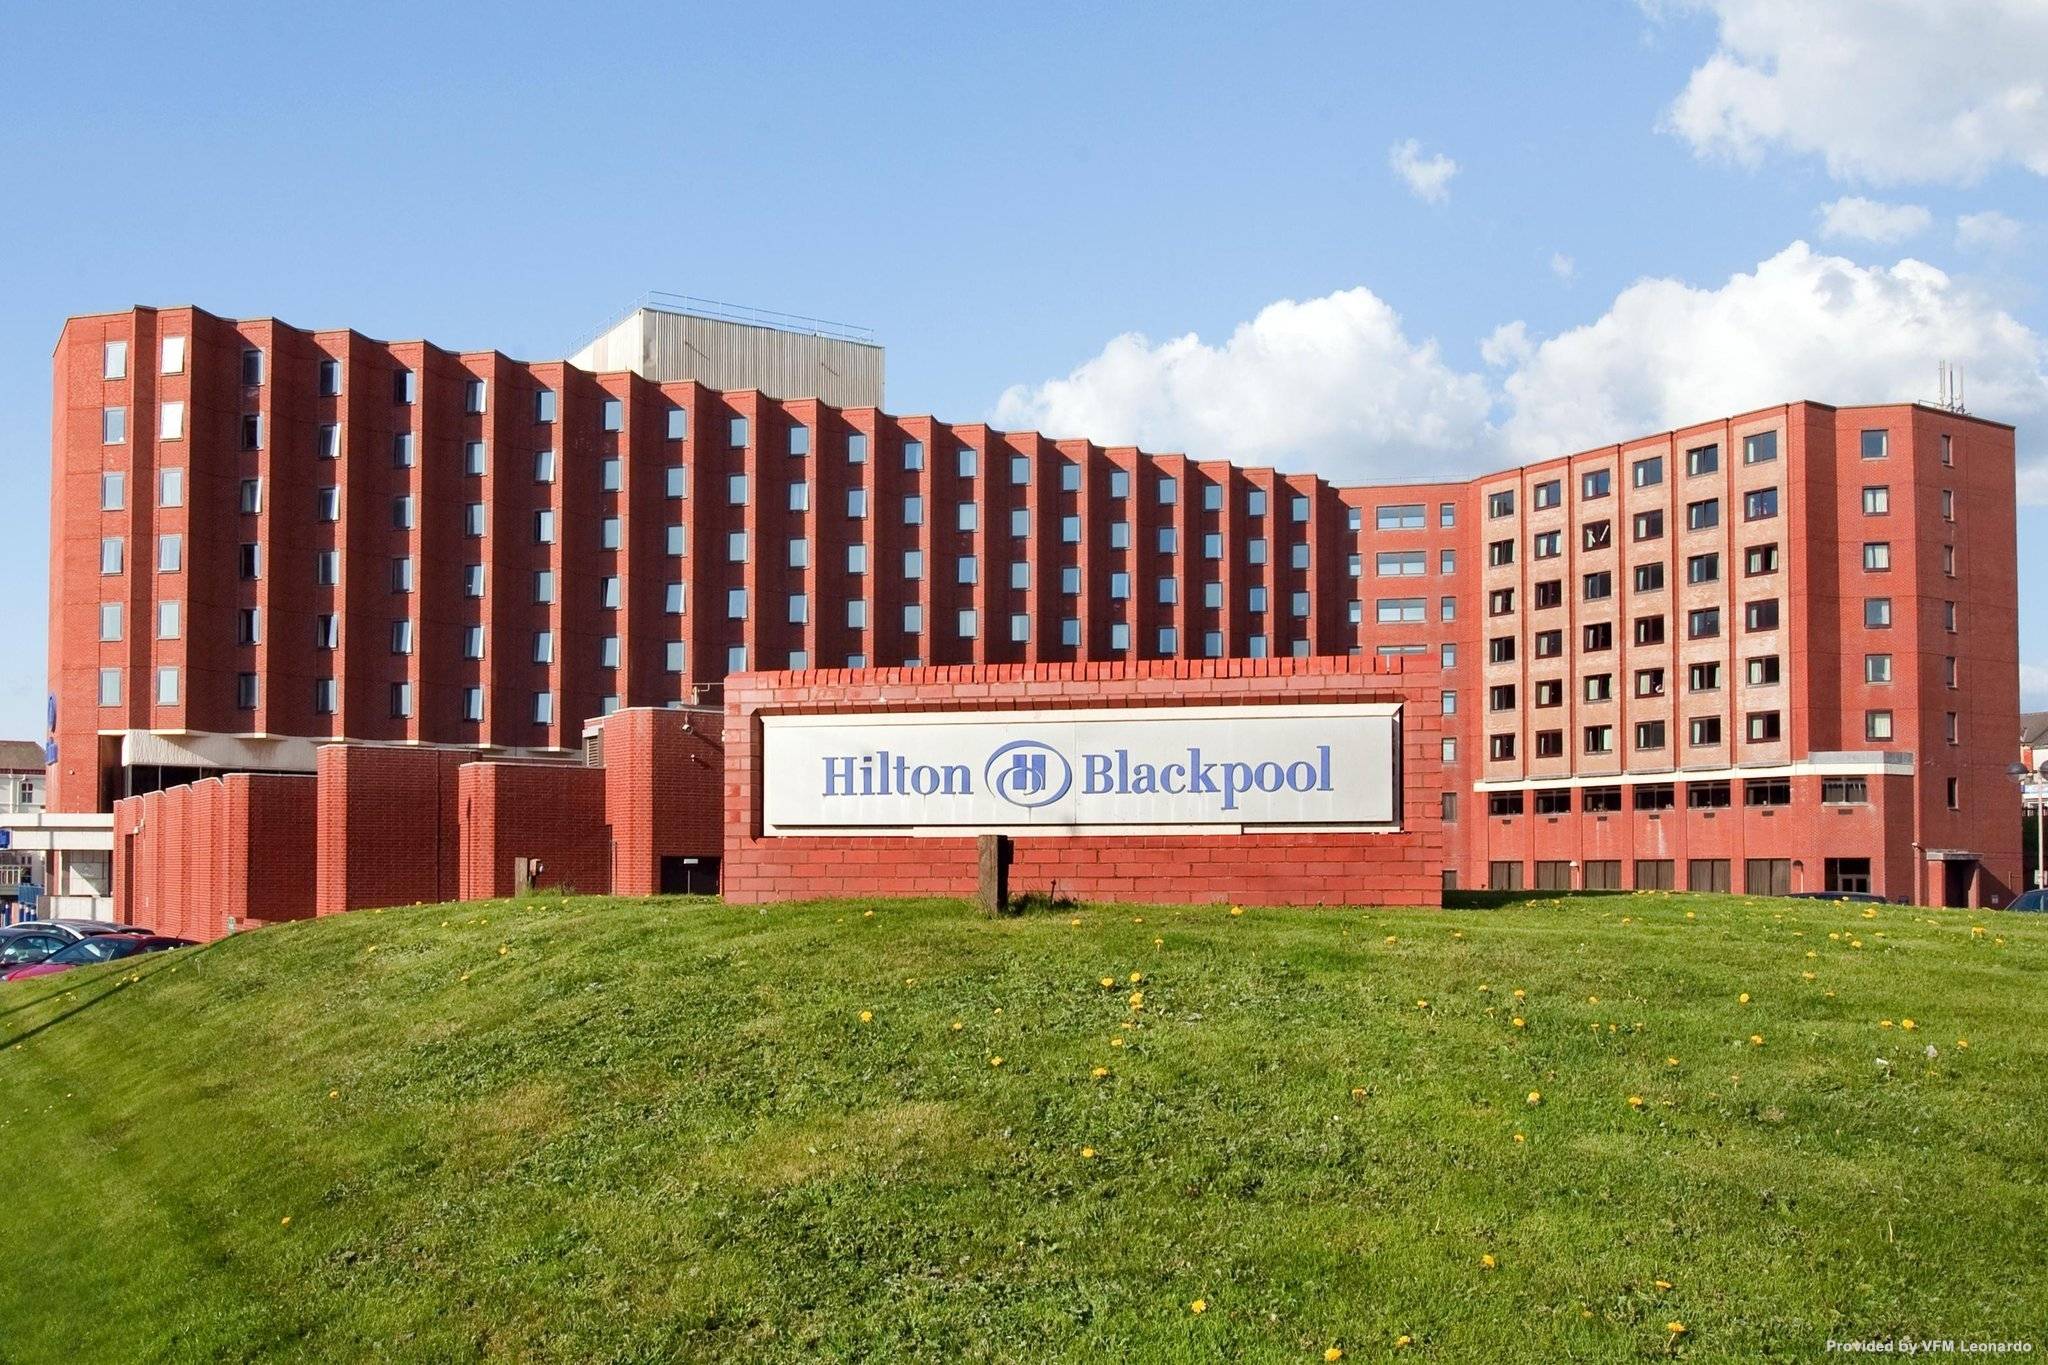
{"x": 1401, "y": 867}
{"x": 550, "y": 811}
{"x": 389, "y": 826}
{"x": 664, "y": 775}
{"x": 194, "y": 859}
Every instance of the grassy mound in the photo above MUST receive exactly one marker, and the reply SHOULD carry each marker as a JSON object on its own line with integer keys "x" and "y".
{"x": 661, "y": 1130}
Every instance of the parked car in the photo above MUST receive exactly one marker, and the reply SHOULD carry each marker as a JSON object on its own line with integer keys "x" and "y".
{"x": 81, "y": 928}
{"x": 2037, "y": 899}
{"x": 1857, "y": 897}
{"x": 23, "y": 944}
{"x": 97, "y": 948}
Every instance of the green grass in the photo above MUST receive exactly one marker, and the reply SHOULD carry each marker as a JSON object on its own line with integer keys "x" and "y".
{"x": 644, "y": 1131}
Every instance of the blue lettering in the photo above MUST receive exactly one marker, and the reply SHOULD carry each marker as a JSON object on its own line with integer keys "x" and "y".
{"x": 839, "y": 775}
{"x": 1095, "y": 778}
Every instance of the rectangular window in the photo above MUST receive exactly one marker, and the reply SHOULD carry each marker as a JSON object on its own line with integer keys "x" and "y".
{"x": 1877, "y": 725}
{"x": 1398, "y": 517}
{"x": 1546, "y": 495}
{"x": 114, "y": 360}
{"x": 110, "y": 621}
{"x": 1649, "y": 577}
{"x": 1760, "y": 504}
{"x": 1500, "y": 553}
{"x": 473, "y": 391}
{"x": 170, "y": 420}
{"x": 113, "y": 491}
{"x": 1650, "y": 734}
{"x": 1763, "y": 670}
{"x": 1504, "y": 803}
{"x": 1764, "y": 727}
{"x": 1704, "y": 515}
{"x": 1760, "y": 559}
{"x": 1599, "y": 687}
{"x": 1767, "y": 791}
{"x": 1501, "y": 504}
{"x": 608, "y": 532}
{"x": 1702, "y": 460}
{"x": 1598, "y": 587}
{"x": 1647, "y": 473}
{"x": 1547, "y": 545}
{"x": 1655, "y": 796}
{"x": 1760, "y": 448}
{"x": 1500, "y": 749}
{"x": 1761, "y": 614}
{"x": 173, "y": 355}
{"x": 1704, "y": 568}
{"x": 1844, "y": 791}
{"x": 110, "y": 687}
{"x": 1877, "y": 612}
{"x": 1876, "y": 445}
{"x": 329, "y": 382}
{"x": 113, "y": 426}
{"x": 170, "y": 553}
{"x": 1877, "y": 668}
{"x": 1597, "y": 535}
{"x": 1649, "y": 630}
{"x": 1649, "y": 525}
{"x": 1599, "y": 739}
{"x": 1649, "y": 682}
{"x": 1597, "y": 637}
{"x": 1596, "y": 483}
{"x": 544, "y": 585}
{"x": 1703, "y": 677}
{"x": 1707, "y": 874}
{"x": 544, "y": 527}
{"x": 1703, "y": 623}
{"x": 1703, "y": 732}
{"x": 167, "y": 687}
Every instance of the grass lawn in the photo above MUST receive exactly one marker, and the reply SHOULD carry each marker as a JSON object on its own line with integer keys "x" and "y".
{"x": 606, "y": 1130}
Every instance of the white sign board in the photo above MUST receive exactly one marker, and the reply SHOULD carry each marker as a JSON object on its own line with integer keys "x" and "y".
{"x": 1132, "y": 767}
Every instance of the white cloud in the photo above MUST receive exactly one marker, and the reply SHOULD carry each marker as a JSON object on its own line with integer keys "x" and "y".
{"x": 1887, "y": 91}
{"x": 1428, "y": 178}
{"x": 1336, "y": 386}
{"x": 1987, "y": 231}
{"x": 1563, "y": 266}
{"x": 1801, "y": 325}
{"x": 1868, "y": 220}
{"x": 1332, "y": 385}
{"x": 2033, "y": 686}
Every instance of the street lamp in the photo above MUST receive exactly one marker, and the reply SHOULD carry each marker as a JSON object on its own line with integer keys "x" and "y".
{"x": 2037, "y": 798}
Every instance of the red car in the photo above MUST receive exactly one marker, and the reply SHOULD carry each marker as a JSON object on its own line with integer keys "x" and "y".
{"x": 98, "y": 948}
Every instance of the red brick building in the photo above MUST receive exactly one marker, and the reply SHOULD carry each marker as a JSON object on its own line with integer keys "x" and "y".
{"x": 1774, "y": 651}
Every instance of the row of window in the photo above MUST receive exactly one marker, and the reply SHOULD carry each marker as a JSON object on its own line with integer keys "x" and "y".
{"x": 1714, "y": 794}
{"x": 1760, "y": 876}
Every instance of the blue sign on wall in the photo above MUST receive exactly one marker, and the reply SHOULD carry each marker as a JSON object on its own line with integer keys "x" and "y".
{"x": 6, "y": 838}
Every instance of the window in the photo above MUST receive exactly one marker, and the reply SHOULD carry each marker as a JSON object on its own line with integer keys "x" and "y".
{"x": 1550, "y": 744}
{"x": 167, "y": 687}
{"x": 1400, "y": 563}
{"x": 1707, "y": 874}
{"x": 1596, "y": 483}
{"x": 1549, "y": 593}
{"x": 170, "y": 553}
{"x": 1760, "y": 559}
{"x": 473, "y": 642}
{"x": 1655, "y": 796}
{"x": 1844, "y": 791}
{"x": 1500, "y": 649}
{"x": 1764, "y": 727}
{"x": 170, "y": 420}
{"x": 173, "y": 355}
{"x": 608, "y": 533}
{"x": 1703, "y": 623}
{"x": 472, "y": 580}
{"x": 1948, "y": 560}
{"x": 1877, "y": 668}
{"x": 1549, "y": 644}
{"x": 1553, "y": 800}
{"x": 110, "y": 621}
{"x": 1547, "y": 544}
{"x": 1398, "y": 517}
{"x": 1500, "y": 553}
{"x": 1948, "y": 504}
{"x": 1649, "y": 630}
{"x": 544, "y": 585}
{"x": 1877, "y": 725}
{"x": 967, "y": 518}
{"x": 1649, "y": 682}
{"x": 544, "y": 527}
{"x": 1761, "y": 448}
{"x": 1503, "y": 876}
{"x": 113, "y": 426}
{"x": 1877, "y": 612}
{"x": 1649, "y": 577}
{"x": 114, "y": 360}
{"x": 1501, "y": 504}
{"x": 1703, "y": 677}
{"x": 1597, "y": 535}
{"x": 1948, "y": 617}
{"x": 1647, "y": 473}
{"x": 1702, "y": 460}
{"x": 1598, "y": 587}
{"x": 1877, "y": 500}
{"x": 401, "y": 450}
{"x": 251, "y": 560}
{"x": 1504, "y": 803}
{"x": 113, "y": 491}
{"x": 110, "y": 687}
{"x": 1500, "y": 602}
{"x": 1598, "y": 739}
{"x": 1703, "y": 732}
{"x": 1649, "y": 525}
{"x": 401, "y": 512}
{"x": 1500, "y": 697}
{"x": 1763, "y": 670}
{"x": 1600, "y": 800}
{"x": 1760, "y": 504}
{"x": 1709, "y": 795}
{"x": 1876, "y": 445}
{"x": 1397, "y": 610}
{"x": 401, "y": 638}
{"x": 326, "y": 568}
{"x": 1767, "y": 791}
{"x": 1761, "y": 614}
{"x": 1948, "y": 449}
{"x": 1705, "y": 514}
{"x": 1598, "y": 637}
{"x": 1599, "y": 687}
{"x": 330, "y": 377}
{"x": 1547, "y": 494}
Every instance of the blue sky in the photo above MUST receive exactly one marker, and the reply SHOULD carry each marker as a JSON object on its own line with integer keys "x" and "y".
{"x": 1003, "y": 193}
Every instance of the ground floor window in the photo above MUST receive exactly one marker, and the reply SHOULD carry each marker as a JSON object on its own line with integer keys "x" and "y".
{"x": 1848, "y": 874}
{"x": 1450, "y": 879}
{"x": 1767, "y": 877}
{"x": 1603, "y": 874}
{"x": 1706, "y": 874}
{"x": 1654, "y": 874}
{"x": 1553, "y": 876}
{"x": 1504, "y": 876}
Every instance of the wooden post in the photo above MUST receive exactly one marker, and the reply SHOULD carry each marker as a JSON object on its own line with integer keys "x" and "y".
{"x": 992, "y": 893}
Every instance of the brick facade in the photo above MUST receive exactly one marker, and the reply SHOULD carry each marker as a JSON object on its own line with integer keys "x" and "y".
{"x": 517, "y": 547}
{"x": 390, "y": 826}
{"x": 664, "y": 784}
{"x": 1402, "y": 867}
{"x": 199, "y": 860}
{"x": 552, "y": 812}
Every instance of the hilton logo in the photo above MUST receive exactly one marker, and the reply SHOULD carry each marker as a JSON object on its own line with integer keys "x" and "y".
{"x": 1028, "y": 773}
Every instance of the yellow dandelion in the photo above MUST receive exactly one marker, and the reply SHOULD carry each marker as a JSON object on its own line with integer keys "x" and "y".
{"x": 1806, "y": 976}
{"x": 995, "y": 1061}
{"x": 1201, "y": 1305}
{"x": 1099, "y": 1072}
{"x": 1088, "y": 1152}
{"x": 1334, "y": 1353}
{"x": 334, "y": 1094}
{"x": 1635, "y": 1101}
{"x": 1907, "y": 1024}
{"x": 1689, "y": 914}
{"x": 1158, "y": 943}
{"x": 1592, "y": 999}
{"x": 1357, "y": 1092}
{"x": 1116, "y": 1042}
{"x": 1676, "y": 1328}
{"x": 1742, "y": 999}
{"x": 867, "y": 1016}
{"x": 1392, "y": 939}
{"x": 285, "y": 1221}
{"x": 867, "y": 914}
{"x": 1137, "y": 1000}
{"x": 1422, "y": 1004}
{"x": 1756, "y": 1040}
{"x": 1870, "y": 914}
{"x": 1403, "y": 1341}
{"x": 1484, "y": 988}
{"x": 1535, "y": 1097}
{"x": 1136, "y": 977}
{"x": 1521, "y": 994}
{"x": 1487, "y": 1262}
{"x": 958, "y": 1025}
{"x": 1521, "y": 1022}
{"x": 1137, "y": 919}
{"x": 1662, "y": 1284}
{"x": 1671, "y": 1061}
{"x": 1884, "y": 1023}
{"x": 1237, "y": 909}
{"x": 1076, "y": 923}
{"x": 1521, "y": 1137}
{"x": 1109, "y": 983}
{"x": 503, "y": 949}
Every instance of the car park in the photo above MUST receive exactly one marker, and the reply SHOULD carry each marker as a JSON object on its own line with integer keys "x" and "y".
{"x": 96, "y": 948}
{"x": 2036, "y": 900}
{"x": 24, "y": 944}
